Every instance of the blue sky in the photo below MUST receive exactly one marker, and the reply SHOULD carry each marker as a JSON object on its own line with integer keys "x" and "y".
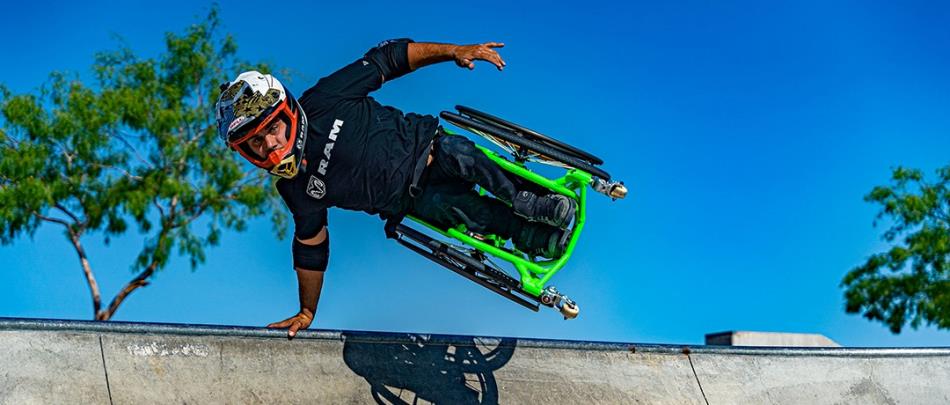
{"x": 748, "y": 133}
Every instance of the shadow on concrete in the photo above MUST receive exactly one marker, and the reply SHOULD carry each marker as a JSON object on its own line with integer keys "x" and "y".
{"x": 456, "y": 372}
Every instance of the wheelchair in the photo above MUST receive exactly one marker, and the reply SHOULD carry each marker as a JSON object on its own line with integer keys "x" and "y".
{"x": 477, "y": 256}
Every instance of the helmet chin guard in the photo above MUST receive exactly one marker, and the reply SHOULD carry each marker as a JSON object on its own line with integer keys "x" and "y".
{"x": 251, "y": 103}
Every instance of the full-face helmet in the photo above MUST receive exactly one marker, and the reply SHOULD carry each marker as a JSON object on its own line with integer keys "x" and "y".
{"x": 250, "y": 105}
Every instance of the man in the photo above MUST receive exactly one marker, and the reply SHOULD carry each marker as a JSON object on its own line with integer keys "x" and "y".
{"x": 337, "y": 147}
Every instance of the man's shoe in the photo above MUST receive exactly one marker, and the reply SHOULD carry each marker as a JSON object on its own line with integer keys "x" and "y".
{"x": 552, "y": 209}
{"x": 541, "y": 240}
{"x": 557, "y": 244}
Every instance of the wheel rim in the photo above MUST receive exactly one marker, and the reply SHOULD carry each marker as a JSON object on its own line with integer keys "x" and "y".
{"x": 520, "y": 153}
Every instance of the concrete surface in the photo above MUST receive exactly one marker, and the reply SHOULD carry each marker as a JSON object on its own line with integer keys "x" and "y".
{"x": 46, "y": 361}
{"x": 747, "y": 338}
{"x": 51, "y": 367}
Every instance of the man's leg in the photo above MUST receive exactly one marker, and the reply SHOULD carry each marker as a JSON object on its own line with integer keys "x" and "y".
{"x": 457, "y": 158}
{"x": 453, "y": 203}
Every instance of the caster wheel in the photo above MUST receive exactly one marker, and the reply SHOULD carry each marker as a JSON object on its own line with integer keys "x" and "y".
{"x": 570, "y": 311}
{"x": 618, "y": 191}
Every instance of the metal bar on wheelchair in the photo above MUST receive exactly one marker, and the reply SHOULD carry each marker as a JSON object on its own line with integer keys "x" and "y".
{"x": 423, "y": 240}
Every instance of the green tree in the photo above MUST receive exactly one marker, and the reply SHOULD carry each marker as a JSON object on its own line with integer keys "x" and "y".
{"x": 139, "y": 147}
{"x": 910, "y": 283}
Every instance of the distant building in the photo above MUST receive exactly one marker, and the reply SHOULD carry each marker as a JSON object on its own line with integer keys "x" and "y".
{"x": 745, "y": 338}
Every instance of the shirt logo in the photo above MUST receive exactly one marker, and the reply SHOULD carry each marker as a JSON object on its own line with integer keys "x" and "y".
{"x": 316, "y": 188}
{"x": 325, "y": 160}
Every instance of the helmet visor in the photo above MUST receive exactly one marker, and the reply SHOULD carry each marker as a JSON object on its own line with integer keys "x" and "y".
{"x": 240, "y": 109}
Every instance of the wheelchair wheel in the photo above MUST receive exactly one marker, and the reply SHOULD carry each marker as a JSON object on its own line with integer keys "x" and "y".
{"x": 530, "y": 134}
{"x": 523, "y": 148}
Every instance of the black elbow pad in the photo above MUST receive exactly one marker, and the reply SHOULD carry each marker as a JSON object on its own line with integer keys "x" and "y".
{"x": 311, "y": 257}
{"x": 391, "y": 57}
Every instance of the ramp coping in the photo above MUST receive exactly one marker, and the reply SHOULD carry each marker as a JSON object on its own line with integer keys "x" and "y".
{"x": 19, "y": 324}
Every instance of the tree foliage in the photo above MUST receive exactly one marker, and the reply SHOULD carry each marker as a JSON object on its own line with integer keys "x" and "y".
{"x": 910, "y": 283}
{"x": 137, "y": 148}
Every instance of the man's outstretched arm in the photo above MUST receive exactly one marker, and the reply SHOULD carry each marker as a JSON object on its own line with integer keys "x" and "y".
{"x": 310, "y": 263}
{"x": 426, "y": 53}
{"x": 397, "y": 57}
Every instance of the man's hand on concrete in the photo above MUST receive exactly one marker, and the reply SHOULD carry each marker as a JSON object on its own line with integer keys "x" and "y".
{"x": 466, "y": 55}
{"x": 297, "y": 322}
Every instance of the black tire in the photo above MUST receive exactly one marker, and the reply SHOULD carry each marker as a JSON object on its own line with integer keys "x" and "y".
{"x": 530, "y": 134}
{"x": 523, "y": 142}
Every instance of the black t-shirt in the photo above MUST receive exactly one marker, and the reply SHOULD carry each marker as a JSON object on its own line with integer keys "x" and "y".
{"x": 359, "y": 154}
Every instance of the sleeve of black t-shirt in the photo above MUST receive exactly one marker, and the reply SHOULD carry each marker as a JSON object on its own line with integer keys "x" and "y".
{"x": 386, "y": 61}
{"x": 309, "y": 215}
{"x": 355, "y": 80}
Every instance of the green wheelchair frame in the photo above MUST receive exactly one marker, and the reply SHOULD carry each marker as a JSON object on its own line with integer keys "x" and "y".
{"x": 474, "y": 259}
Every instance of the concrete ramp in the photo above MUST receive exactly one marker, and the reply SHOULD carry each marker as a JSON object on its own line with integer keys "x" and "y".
{"x": 44, "y": 361}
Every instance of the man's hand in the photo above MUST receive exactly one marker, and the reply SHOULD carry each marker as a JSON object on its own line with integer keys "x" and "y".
{"x": 309, "y": 285}
{"x": 426, "y": 53}
{"x": 297, "y": 322}
{"x": 466, "y": 55}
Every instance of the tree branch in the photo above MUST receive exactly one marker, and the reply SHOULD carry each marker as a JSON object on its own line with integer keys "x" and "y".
{"x": 116, "y": 168}
{"x": 87, "y": 272}
{"x": 81, "y": 252}
{"x": 65, "y": 152}
{"x": 67, "y": 212}
{"x": 139, "y": 281}
{"x": 51, "y": 219}
{"x": 198, "y": 212}
{"x": 198, "y": 88}
{"x": 161, "y": 210}
{"x": 128, "y": 144}
{"x": 142, "y": 279}
{"x": 171, "y": 207}
{"x": 194, "y": 138}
